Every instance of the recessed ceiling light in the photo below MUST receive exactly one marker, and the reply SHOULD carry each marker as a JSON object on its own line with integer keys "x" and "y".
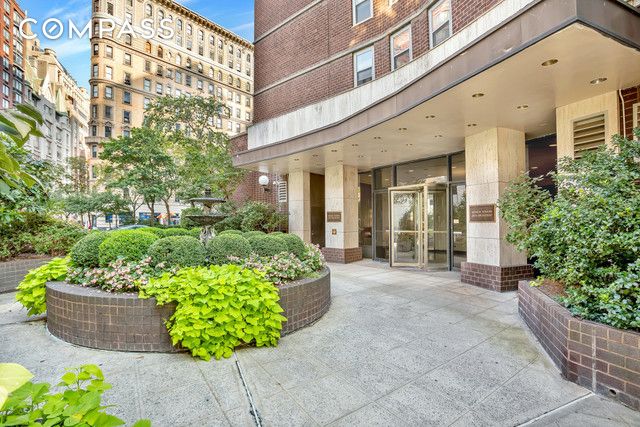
{"x": 549, "y": 62}
{"x": 354, "y": 145}
{"x": 477, "y": 95}
{"x": 522, "y": 107}
{"x": 295, "y": 160}
{"x": 402, "y": 129}
{"x": 438, "y": 136}
{"x": 361, "y": 156}
{"x": 534, "y": 168}
{"x": 409, "y": 145}
{"x": 377, "y": 137}
{"x": 315, "y": 155}
{"x": 410, "y": 170}
{"x": 598, "y": 80}
{"x": 472, "y": 125}
{"x": 553, "y": 145}
{"x": 334, "y": 151}
{"x": 430, "y": 116}
{"x": 369, "y": 175}
{"x": 383, "y": 151}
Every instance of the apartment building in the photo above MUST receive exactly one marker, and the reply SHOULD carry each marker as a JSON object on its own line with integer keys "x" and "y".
{"x": 63, "y": 104}
{"x": 128, "y": 72}
{"x": 398, "y": 123}
{"x": 13, "y": 51}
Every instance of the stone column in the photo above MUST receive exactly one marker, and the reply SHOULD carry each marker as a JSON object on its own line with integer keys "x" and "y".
{"x": 493, "y": 158}
{"x": 341, "y": 200}
{"x": 299, "y": 195}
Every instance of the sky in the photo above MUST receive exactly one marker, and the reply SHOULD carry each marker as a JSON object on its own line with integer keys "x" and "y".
{"x": 75, "y": 54}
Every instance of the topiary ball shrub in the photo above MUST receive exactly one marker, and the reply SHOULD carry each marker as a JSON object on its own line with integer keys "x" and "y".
{"x": 174, "y": 251}
{"x": 267, "y": 246}
{"x": 168, "y": 232}
{"x": 250, "y": 234}
{"x": 131, "y": 245}
{"x": 276, "y": 233}
{"x": 221, "y": 247}
{"x": 294, "y": 243}
{"x": 85, "y": 252}
{"x": 156, "y": 231}
{"x": 236, "y": 232}
{"x": 194, "y": 232}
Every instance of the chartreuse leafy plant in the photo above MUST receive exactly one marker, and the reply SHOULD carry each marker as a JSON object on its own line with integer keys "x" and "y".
{"x": 219, "y": 308}
{"x": 25, "y": 403}
{"x": 32, "y": 291}
{"x": 588, "y": 237}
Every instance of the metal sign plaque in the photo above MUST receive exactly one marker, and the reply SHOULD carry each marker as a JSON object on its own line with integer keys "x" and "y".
{"x": 482, "y": 213}
{"x": 334, "y": 216}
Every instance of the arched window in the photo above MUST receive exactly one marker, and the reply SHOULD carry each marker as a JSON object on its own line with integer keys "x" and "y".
{"x": 148, "y": 10}
{"x": 160, "y": 52}
{"x": 179, "y": 24}
{"x": 188, "y": 63}
{"x": 248, "y": 57}
{"x": 189, "y": 29}
{"x": 178, "y": 59}
{"x": 128, "y": 39}
{"x": 161, "y": 14}
{"x": 147, "y": 47}
{"x": 211, "y": 72}
{"x": 199, "y": 67}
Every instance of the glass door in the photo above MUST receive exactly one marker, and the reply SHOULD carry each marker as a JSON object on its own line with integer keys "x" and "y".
{"x": 407, "y": 229}
{"x": 458, "y": 224}
{"x": 437, "y": 250}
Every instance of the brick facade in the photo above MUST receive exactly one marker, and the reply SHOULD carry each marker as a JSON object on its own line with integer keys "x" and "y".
{"x": 321, "y": 39}
{"x": 500, "y": 279}
{"x": 601, "y": 358}
{"x": 630, "y": 97}
{"x": 342, "y": 256}
{"x": 305, "y": 301}
{"x": 12, "y": 272}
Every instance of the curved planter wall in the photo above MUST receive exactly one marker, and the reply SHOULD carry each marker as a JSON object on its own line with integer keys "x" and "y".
{"x": 13, "y": 272}
{"x": 94, "y": 318}
{"x": 599, "y": 357}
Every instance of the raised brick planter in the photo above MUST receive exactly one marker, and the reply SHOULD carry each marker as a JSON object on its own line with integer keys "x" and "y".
{"x": 599, "y": 357}
{"x": 12, "y": 272}
{"x": 93, "y": 318}
{"x": 499, "y": 279}
{"x": 305, "y": 301}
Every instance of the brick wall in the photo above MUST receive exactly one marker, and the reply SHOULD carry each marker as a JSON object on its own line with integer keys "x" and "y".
{"x": 601, "y": 358}
{"x": 12, "y": 272}
{"x": 325, "y": 31}
{"x": 630, "y": 97}
{"x": 305, "y": 301}
{"x": 500, "y": 279}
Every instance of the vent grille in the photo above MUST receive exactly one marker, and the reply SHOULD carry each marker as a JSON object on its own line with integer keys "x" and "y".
{"x": 282, "y": 191}
{"x": 588, "y": 134}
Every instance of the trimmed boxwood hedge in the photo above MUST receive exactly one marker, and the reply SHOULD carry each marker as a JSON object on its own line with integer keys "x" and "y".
{"x": 294, "y": 243}
{"x": 237, "y": 232}
{"x": 177, "y": 231}
{"x": 131, "y": 245}
{"x": 224, "y": 245}
{"x": 183, "y": 251}
{"x": 267, "y": 246}
{"x": 85, "y": 252}
{"x": 250, "y": 234}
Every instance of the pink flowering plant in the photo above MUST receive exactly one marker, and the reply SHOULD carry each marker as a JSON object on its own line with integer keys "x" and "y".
{"x": 118, "y": 277}
{"x": 284, "y": 267}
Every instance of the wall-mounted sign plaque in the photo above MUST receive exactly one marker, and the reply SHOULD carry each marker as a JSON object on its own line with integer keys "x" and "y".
{"x": 334, "y": 216}
{"x": 482, "y": 213}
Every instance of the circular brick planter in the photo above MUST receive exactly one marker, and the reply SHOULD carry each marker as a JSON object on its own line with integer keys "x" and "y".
{"x": 93, "y": 318}
{"x": 596, "y": 356}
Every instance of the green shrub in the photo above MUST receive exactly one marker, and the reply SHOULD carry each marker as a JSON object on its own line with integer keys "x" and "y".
{"x": 237, "y": 232}
{"x": 294, "y": 243}
{"x": 85, "y": 252}
{"x": 77, "y": 403}
{"x": 183, "y": 251}
{"x": 32, "y": 292}
{"x": 267, "y": 245}
{"x": 587, "y": 237}
{"x": 221, "y": 247}
{"x": 261, "y": 216}
{"x": 276, "y": 233}
{"x": 194, "y": 232}
{"x": 250, "y": 234}
{"x": 219, "y": 308}
{"x": 155, "y": 230}
{"x": 174, "y": 231}
{"x": 57, "y": 238}
{"x": 130, "y": 245}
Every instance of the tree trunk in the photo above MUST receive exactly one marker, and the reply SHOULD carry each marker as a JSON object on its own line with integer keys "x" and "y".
{"x": 168, "y": 208}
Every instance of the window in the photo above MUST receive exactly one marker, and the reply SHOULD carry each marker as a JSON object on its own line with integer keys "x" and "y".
{"x": 363, "y": 66}
{"x": 108, "y": 92}
{"x": 147, "y": 66}
{"x": 127, "y": 79}
{"x": 108, "y": 51}
{"x": 127, "y": 59}
{"x": 94, "y": 130}
{"x": 108, "y": 112}
{"x": 147, "y": 101}
{"x": 178, "y": 77}
{"x": 94, "y": 71}
{"x": 94, "y": 151}
{"x": 187, "y": 80}
{"x": 126, "y": 97}
{"x": 148, "y": 10}
{"x": 160, "y": 52}
{"x": 401, "y": 52}
{"x": 189, "y": 29}
{"x": 126, "y": 117}
{"x": 128, "y": 39}
{"x": 178, "y": 60}
{"x": 179, "y": 24}
{"x": 96, "y": 49}
{"x": 128, "y": 17}
{"x": 147, "y": 85}
{"x": 439, "y": 22}
{"x": 159, "y": 88}
{"x": 108, "y": 73}
{"x": 362, "y": 10}
{"x": 147, "y": 47}
{"x": 94, "y": 111}
{"x": 107, "y": 132}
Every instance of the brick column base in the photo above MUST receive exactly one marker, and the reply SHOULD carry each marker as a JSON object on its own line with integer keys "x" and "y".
{"x": 500, "y": 279}
{"x": 342, "y": 256}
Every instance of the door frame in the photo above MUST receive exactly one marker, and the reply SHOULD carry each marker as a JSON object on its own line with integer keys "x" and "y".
{"x": 420, "y": 241}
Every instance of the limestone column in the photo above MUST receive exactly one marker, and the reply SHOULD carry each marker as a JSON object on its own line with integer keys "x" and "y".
{"x": 493, "y": 158}
{"x": 341, "y": 214}
{"x": 299, "y": 195}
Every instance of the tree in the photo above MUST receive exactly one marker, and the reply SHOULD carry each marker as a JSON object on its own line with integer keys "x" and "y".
{"x": 202, "y": 151}
{"x": 141, "y": 163}
{"x": 78, "y": 176}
